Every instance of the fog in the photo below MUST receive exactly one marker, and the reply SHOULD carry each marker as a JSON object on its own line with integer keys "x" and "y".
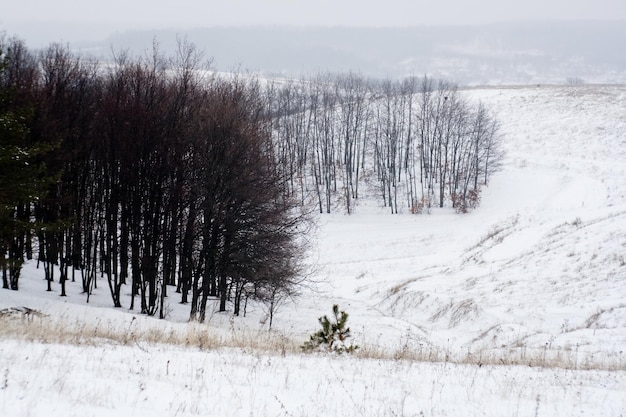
{"x": 489, "y": 54}
{"x": 43, "y": 21}
{"x": 478, "y": 42}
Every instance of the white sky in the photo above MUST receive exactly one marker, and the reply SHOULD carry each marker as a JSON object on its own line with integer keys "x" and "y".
{"x": 66, "y": 18}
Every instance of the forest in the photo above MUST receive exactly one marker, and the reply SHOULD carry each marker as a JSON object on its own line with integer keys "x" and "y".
{"x": 159, "y": 173}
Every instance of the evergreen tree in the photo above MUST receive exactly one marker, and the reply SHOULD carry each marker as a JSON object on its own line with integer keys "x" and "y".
{"x": 333, "y": 335}
{"x": 22, "y": 178}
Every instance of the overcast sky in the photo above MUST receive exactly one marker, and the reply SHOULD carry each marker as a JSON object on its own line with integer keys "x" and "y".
{"x": 41, "y": 21}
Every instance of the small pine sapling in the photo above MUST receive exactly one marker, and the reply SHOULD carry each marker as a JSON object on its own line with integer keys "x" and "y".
{"x": 333, "y": 335}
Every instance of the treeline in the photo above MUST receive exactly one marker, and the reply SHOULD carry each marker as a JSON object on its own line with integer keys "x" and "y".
{"x": 156, "y": 173}
{"x": 424, "y": 144}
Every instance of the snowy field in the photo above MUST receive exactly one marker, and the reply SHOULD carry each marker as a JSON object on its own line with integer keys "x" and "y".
{"x": 516, "y": 309}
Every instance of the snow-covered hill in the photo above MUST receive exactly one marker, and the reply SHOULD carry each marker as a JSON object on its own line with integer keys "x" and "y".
{"x": 540, "y": 265}
{"x": 521, "y": 304}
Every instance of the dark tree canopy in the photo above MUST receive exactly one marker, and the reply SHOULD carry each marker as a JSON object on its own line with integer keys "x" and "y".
{"x": 161, "y": 178}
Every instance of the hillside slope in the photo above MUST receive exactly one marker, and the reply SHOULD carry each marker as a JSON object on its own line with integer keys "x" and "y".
{"x": 536, "y": 276}
{"x": 540, "y": 265}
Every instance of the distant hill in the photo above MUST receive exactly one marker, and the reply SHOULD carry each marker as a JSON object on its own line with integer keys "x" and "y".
{"x": 506, "y": 53}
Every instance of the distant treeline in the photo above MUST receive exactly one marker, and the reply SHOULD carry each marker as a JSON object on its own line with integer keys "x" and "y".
{"x": 528, "y": 52}
{"x": 156, "y": 173}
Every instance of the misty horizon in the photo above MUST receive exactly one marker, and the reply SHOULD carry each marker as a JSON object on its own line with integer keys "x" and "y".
{"x": 471, "y": 54}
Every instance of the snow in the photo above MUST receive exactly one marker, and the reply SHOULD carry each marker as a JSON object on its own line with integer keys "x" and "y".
{"x": 515, "y": 309}
{"x": 165, "y": 381}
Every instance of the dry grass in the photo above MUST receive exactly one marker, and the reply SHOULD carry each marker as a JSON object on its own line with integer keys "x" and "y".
{"x": 44, "y": 329}
{"x": 570, "y": 359}
{"x": 65, "y": 330}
